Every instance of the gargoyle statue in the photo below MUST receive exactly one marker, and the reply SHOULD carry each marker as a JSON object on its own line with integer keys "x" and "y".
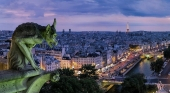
{"x": 24, "y": 38}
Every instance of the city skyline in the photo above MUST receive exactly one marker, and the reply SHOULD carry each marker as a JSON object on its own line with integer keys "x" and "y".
{"x": 87, "y": 15}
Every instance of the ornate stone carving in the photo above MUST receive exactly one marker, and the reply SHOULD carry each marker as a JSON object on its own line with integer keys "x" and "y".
{"x": 29, "y": 81}
{"x": 24, "y": 38}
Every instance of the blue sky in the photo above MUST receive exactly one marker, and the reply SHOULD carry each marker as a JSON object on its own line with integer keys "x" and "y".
{"x": 88, "y": 15}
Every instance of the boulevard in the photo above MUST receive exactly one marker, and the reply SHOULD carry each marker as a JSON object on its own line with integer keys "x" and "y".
{"x": 164, "y": 77}
{"x": 162, "y": 80}
{"x": 119, "y": 69}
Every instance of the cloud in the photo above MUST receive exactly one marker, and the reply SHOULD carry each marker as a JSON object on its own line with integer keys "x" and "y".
{"x": 17, "y": 8}
{"x": 153, "y": 8}
{"x": 87, "y": 14}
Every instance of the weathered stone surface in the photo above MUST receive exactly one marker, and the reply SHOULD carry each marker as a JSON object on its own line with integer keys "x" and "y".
{"x": 23, "y": 77}
{"x": 27, "y": 81}
{"x": 7, "y": 75}
{"x": 13, "y": 86}
{"x": 12, "y": 80}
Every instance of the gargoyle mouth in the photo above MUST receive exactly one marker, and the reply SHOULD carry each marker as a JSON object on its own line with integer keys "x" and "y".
{"x": 52, "y": 44}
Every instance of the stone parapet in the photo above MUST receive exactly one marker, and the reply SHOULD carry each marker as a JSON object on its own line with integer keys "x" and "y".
{"x": 28, "y": 81}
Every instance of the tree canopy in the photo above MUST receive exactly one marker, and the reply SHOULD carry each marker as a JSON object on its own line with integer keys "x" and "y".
{"x": 157, "y": 65}
{"x": 152, "y": 88}
{"x": 88, "y": 71}
{"x": 167, "y": 52}
{"x": 134, "y": 84}
{"x": 66, "y": 72}
{"x": 69, "y": 83}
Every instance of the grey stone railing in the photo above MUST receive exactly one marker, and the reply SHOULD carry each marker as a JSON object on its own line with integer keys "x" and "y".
{"x": 131, "y": 67}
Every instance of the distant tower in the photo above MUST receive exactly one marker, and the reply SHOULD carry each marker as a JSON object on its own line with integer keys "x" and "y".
{"x": 63, "y": 51}
{"x": 69, "y": 30}
{"x": 63, "y": 31}
{"x": 127, "y": 27}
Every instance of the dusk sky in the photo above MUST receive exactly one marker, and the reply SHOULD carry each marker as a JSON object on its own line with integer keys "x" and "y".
{"x": 88, "y": 15}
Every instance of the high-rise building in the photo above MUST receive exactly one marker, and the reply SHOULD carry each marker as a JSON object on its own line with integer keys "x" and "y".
{"x": 127, "y": 27}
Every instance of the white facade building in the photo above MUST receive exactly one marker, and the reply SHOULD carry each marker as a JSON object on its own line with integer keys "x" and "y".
{"x": 66, "y": 61}
{"x": 77, "y": 62}
{"x": 51, "y": 63}
{"x": 47, "y": 62}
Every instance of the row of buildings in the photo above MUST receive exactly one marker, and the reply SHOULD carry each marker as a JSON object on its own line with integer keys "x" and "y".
{"x": 101, "y": 49}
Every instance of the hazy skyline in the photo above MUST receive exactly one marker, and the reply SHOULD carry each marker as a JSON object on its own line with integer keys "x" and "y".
{"x": 87, "y": 15}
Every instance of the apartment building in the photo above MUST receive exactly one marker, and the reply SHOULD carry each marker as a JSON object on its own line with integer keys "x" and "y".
{"x": 93, "y": 59}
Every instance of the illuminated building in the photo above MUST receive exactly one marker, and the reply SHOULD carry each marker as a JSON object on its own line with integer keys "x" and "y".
{"x": 93, "y": 59}
{"x": 3, "y": 64}
{"x": 66, "y": 61}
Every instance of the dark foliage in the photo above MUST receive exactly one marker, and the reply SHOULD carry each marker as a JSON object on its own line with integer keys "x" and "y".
{"x": 115, "y": 89}
{"x": 88, "y": 71}
{"x": 72, "y": 85}
{"x": 152, "y": 88}
{"x": 134, "y": 84}
{"x": 157, "y": 66}
{"x": 167, "y": 52}
{"x": 66, "y": 72}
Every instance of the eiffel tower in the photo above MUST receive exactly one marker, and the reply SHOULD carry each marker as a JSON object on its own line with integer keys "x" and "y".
{"x": 127, "y": 27}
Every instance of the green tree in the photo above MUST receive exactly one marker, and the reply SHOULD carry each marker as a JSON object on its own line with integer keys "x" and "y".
{"x": 157, "y": 66}
{"x": 88, "y": 71}
{"x": 152, "y": 88}
{"x": 66, "y": 72}
{"x": 167, "y": 52}
{"x": 152, "y": 66}
{"x": 89, "y": 85}
{"x": 46, "y": 88}
{"x": 134, "y": 84}
{"x": 68, "y": 84}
